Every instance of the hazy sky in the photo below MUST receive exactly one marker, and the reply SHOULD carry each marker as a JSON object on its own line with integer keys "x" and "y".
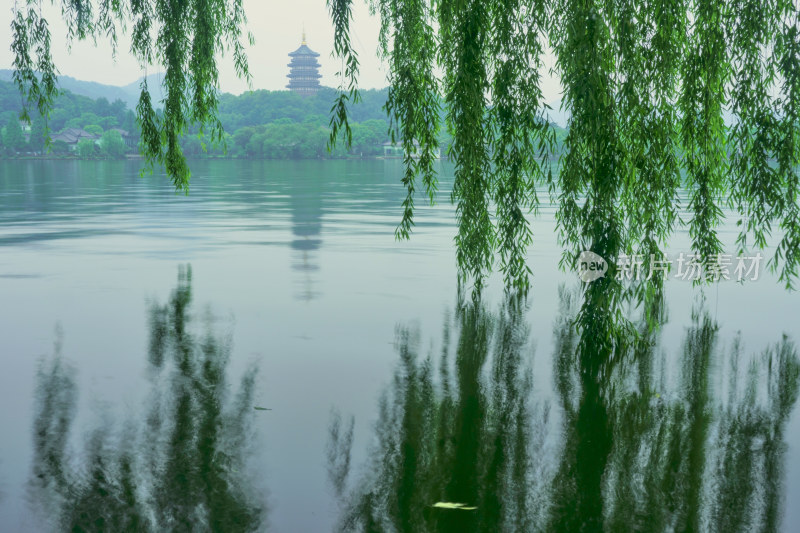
{"x": 277, "y": 27}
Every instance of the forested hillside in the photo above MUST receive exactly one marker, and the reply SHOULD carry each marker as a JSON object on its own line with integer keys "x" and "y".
{"x": 257, "y": 124}
{"x": 285, "y": 125}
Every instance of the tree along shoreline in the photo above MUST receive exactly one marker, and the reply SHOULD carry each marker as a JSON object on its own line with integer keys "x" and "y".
{"x": 258, "y": 124}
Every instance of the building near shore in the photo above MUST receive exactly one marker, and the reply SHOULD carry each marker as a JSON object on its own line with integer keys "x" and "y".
{"x": 72, "y": 136}
{"x": 395, "y": 150}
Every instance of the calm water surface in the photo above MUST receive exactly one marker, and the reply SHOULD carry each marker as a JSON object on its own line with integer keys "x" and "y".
{"x": 262, "y": 354}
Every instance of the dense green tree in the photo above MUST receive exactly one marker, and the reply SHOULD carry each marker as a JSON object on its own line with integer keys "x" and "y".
{"x": 13, "y": 137}
{"x": 262, "y": 107}
{"x": 58, "y": 118}
{"x": 192, "y": 146}
{"x": 106, "y": 123}
{"x": 128, "y": 122}
{"x": 118, "y": 109}
{"x": 94, "y": 129}
{"x": 88, "y": 119}
{"x": 112, "y": 144}
{"x": 255, "y": 145}
{"x": 366, "y": 139}
{"x": 74, "y": 123}
{"x": 69, "y": 111}
{"x": 242, "y": 137}
{"x": 283, "y": 109}
{"x": 102, "y": 106}
{"x": 59, "y": 147}
{"x": 86, "y": 148}
{"x": 37, "y": 139}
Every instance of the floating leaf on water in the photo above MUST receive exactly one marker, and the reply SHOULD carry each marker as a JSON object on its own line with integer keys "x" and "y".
{"x": 262, "y": 408}
{"x": 451, "y": 505}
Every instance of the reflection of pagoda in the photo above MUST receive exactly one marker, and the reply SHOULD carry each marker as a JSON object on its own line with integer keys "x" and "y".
{"x": 304, "y": 70}
{"x": 306, "y": 204}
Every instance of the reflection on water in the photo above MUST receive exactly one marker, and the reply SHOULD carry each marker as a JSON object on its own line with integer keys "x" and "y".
{"x": 658, "y": 443}
{"x": 306, "y": 197}
{"x": 452, "y": 438}
{"x": 641, "y": 433}
{"x": 182, "y": 468}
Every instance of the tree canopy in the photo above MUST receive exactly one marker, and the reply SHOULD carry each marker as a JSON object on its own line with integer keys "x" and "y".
{"x": 646, "y": 85}
{"x": 113, "y": 143}
{"x": 69, "y": 110}
{"x": 12, "y": 137}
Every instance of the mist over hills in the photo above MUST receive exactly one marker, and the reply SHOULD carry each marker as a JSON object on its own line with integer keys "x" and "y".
{"x": 127, "y": 93}
{"x": 130, "y": 93}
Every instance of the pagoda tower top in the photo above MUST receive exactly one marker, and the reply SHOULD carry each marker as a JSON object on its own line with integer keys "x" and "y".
{"x": 304, "y": 69}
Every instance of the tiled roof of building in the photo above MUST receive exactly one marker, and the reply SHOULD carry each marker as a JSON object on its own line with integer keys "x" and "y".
{"x": 73, "y": 135}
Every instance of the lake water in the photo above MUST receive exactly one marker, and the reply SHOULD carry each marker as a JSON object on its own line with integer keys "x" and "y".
{"x": 198, "y": 359}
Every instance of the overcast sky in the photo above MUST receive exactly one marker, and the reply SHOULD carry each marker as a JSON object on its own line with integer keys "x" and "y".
{"x": 277, "y": 27}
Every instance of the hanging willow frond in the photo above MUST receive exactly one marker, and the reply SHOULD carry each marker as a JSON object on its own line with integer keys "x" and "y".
{"x": 787, "y": 132}
{"x": 341, "y": 14}
{"x": 669, "y": 101}
{"x": 705, "y": 70}
{"x": 465, "y": 88}
{"x": 522, "y": 139}
{"x": 647, "y": 85}
{"x": 413, "y": 100}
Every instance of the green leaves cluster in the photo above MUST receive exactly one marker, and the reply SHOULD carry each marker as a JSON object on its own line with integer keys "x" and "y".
{"x": 12, "y": 135}
{"x": 647, "y": 85}
{"x": 413, "y": 100}
{"x": 184, "y": 37}
{"x": 468, "y": 54}
{"x": 342, "y": 14}
{"x": 112, "y": 144}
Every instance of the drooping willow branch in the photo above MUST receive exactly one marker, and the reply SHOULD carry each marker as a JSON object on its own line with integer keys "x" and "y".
{"x": 663, "y": 95}
{"x": 341, "y": 13}
{"x": 184, "y": 37}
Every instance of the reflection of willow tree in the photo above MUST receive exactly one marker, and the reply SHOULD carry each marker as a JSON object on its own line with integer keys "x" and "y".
{"x": 463, "y": 438}
{"x": 641, "y": 454}
{"x": 638, "y": 451}
{"x": 182, "y": 470}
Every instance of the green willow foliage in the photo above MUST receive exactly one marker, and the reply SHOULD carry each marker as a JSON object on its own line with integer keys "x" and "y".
{"x": 183, "y": 37}
{"x": 645, "y": 83}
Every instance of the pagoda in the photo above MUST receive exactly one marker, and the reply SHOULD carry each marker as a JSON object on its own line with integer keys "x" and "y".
{"x": 304, "y": 70}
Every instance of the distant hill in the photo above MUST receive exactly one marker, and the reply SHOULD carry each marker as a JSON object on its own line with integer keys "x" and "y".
{"x": 91, "y": 89}
{"x": 130, "y": 95}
